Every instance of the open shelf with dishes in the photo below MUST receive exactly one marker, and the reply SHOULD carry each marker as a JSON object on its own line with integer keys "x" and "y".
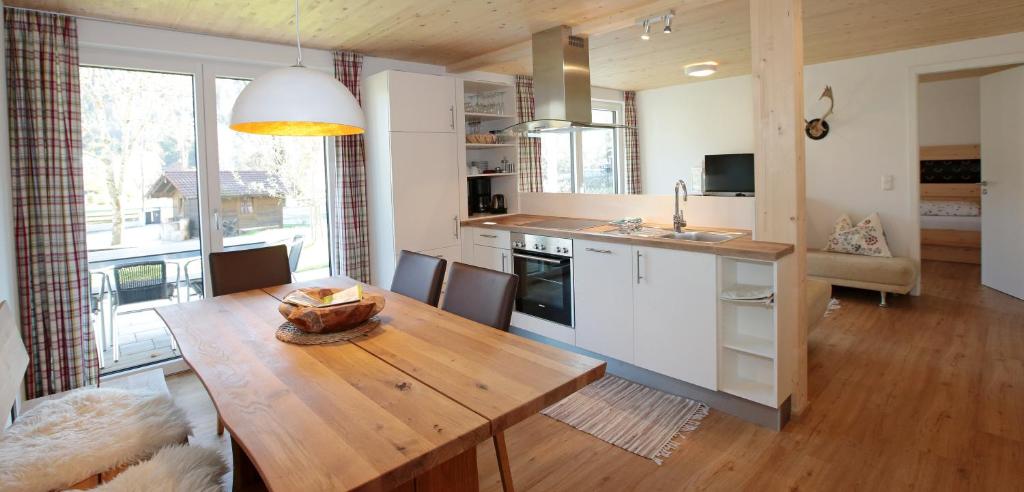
{"x": 490, "y": 156}
{"x": 747, "y": 335}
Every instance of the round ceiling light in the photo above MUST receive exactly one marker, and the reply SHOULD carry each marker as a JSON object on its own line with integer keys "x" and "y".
{"x": 702, "y": 69}
{"x": 297, "y": 101}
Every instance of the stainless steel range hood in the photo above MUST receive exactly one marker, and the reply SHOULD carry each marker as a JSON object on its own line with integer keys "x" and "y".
{"x": 561, "y": 85}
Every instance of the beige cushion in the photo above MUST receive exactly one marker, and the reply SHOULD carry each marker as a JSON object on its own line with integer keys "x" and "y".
{"x": 896, "y": 274}
{"x": 819, "y": 293}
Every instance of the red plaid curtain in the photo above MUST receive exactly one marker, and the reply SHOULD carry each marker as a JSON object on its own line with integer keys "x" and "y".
{"x": 530, "y": 176}
{"x": 633, "y": 185}
{"x": 353, "y": 253}
{"x": 49, "y": 207}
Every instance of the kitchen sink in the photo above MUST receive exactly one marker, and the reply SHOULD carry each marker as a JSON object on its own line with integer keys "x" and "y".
{"x": 702, "y": 236}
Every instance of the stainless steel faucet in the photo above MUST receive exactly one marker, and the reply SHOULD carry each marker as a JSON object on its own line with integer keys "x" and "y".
{"x": 678, "y": 222}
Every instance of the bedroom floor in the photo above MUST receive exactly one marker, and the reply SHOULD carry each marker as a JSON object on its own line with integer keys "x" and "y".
{"x": 924, "y": 395}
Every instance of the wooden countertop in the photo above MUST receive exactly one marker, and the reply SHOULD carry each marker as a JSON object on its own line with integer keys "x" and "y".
{"x": 741, "y": 247}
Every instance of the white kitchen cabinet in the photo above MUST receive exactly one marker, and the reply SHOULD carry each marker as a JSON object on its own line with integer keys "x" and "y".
{"x": 674, "y": 303}
{"x": 603, "y": 288}
{"x": 421, "y": 103}
{"x": 413, "y": 183}
{"x": 499, "y": 259}
{"x": 425, "y": 187}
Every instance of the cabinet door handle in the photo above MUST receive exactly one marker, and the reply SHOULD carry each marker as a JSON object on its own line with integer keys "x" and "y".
{"x": 492, "y": 236}
{"x": 638, "y": 275}
{"x": 451, "y": 109}
{"x": 602, "y": 251}
{"x": 455, "y": 220}
{"x": 503, "y": 258}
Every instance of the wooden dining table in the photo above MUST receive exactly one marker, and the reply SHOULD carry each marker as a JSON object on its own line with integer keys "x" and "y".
{"x": 403, "y": 407}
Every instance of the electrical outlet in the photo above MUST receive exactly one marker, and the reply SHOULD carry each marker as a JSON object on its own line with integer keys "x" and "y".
{"x": 887, "y": 182}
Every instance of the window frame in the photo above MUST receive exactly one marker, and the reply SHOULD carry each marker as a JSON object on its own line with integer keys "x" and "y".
{"x": 576, "y": 150}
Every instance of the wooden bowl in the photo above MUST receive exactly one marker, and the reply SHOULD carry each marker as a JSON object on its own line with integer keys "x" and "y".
{"x": 334, "y": 318}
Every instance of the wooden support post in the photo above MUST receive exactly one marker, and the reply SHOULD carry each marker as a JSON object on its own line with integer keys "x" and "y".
{"x": 777, "y": 54}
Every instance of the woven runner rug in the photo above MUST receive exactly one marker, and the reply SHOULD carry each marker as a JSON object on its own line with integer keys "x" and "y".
{"x": 641, "y": 420}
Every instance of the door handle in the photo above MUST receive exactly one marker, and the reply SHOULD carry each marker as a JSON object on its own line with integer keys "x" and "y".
{"x": 984, "y": 187}
{"x": 451, "y": 109}
{"x": 638, "y": 276}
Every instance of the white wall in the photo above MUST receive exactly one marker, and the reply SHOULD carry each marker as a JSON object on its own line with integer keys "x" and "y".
{"x": 874, "y": 131}
{"x": 679, "y": 125}
{"x": 949, "y": 112}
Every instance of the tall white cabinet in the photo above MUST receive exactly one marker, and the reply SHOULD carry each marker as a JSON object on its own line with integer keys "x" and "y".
{"x": 412, "y": 168}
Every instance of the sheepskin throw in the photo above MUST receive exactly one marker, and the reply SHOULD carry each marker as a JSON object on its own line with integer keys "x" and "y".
{"x": 89, "y": 431}
{"x": 172, "y": 469}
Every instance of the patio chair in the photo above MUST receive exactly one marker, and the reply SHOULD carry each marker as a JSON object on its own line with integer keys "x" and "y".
{"x": 139, "y": 282}
{"x": 294, "y": 252}
{"x": 193, "y": 278}
{"x": 99, "y": 291}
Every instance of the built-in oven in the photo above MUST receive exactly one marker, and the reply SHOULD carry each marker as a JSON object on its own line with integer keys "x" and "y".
{"x": 544, "y": 267}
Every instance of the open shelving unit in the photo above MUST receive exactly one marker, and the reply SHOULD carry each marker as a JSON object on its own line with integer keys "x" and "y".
{"x": 747, "y": 335}
{"x": 504, "y": 153}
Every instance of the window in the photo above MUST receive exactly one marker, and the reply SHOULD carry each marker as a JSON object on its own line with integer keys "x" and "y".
{"x": 587, "y": 161}
{"x": 246, "y": 207}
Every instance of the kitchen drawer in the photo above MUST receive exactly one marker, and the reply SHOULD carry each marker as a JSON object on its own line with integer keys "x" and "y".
{"x": 492, "y": 238}
{"x": 451, "y": 253}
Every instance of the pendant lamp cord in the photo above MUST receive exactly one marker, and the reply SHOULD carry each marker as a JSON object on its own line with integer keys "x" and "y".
{"x": 298, "y": 39}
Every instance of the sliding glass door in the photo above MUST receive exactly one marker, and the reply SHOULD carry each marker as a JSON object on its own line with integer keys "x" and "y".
{"x": 167, "y": 182}
{"x": 141, "y": 180}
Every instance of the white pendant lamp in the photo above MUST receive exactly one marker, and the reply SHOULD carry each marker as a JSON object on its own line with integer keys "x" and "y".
{"x": 297, "y": 101}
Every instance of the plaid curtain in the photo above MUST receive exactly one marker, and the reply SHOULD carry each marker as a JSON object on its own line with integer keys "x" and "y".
{"x": 633, "y": 185}
{"x": 352, "y": 256}
{"x": 530, "y": 176}
{"x": 48, "y": 196}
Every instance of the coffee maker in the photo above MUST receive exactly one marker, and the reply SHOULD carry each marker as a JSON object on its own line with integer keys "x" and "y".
{"x": 479, "y": 195}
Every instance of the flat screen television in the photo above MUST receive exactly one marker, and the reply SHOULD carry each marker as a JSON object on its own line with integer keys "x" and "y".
{"x": 729, "y": 175}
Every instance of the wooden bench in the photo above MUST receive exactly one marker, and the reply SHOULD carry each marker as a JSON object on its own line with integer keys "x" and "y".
{"x": 15, "y": 362}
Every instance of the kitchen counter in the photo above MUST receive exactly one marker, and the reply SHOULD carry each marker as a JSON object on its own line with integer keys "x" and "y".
{"x": 741, "y": 247}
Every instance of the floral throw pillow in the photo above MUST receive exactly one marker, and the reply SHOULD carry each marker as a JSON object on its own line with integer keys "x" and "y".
{"x": 866, "y": 238}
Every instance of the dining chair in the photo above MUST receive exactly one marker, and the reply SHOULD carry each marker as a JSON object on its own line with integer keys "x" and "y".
{"x": 487, "y": 297}
{"x": 419, "y": 276}
{"x": 247, "y": 269}
{"x": 482, "y": 295}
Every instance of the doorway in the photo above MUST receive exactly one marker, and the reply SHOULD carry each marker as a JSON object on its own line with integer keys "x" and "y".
{"x": 971, "y": 170}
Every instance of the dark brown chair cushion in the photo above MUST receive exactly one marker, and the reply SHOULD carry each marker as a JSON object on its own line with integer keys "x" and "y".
{"x": 237, "y": 271}
{"x": 482, "y": 295}
{"x": 419, "y": 276}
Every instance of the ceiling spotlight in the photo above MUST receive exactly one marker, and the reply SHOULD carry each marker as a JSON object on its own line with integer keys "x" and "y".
{"x": 702, "y": 69}
{"x": 647, "y": 31}
{"x": 668, "y": 25}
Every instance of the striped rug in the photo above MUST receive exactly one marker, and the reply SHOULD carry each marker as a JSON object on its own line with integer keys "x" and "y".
{"x": 641, "y": 420}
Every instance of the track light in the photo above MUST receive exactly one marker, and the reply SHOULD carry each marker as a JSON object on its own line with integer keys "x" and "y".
{"x": 668, "y": 25}
{"x": 647, "y": 31}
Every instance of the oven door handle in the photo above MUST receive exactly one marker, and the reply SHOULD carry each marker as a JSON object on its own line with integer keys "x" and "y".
{"x": 538, "y": 258}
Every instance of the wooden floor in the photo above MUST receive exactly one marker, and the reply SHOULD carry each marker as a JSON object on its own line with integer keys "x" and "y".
{"x": 926, "y": 395}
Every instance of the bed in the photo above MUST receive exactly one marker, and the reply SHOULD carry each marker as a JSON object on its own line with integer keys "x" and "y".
{"x": 951, "y": 203}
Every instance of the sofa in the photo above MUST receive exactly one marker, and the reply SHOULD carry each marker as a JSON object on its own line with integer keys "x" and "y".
{"x": 895, "y": 275}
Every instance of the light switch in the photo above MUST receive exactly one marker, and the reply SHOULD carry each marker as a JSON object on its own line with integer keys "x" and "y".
{"x": 886, "y": 182}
